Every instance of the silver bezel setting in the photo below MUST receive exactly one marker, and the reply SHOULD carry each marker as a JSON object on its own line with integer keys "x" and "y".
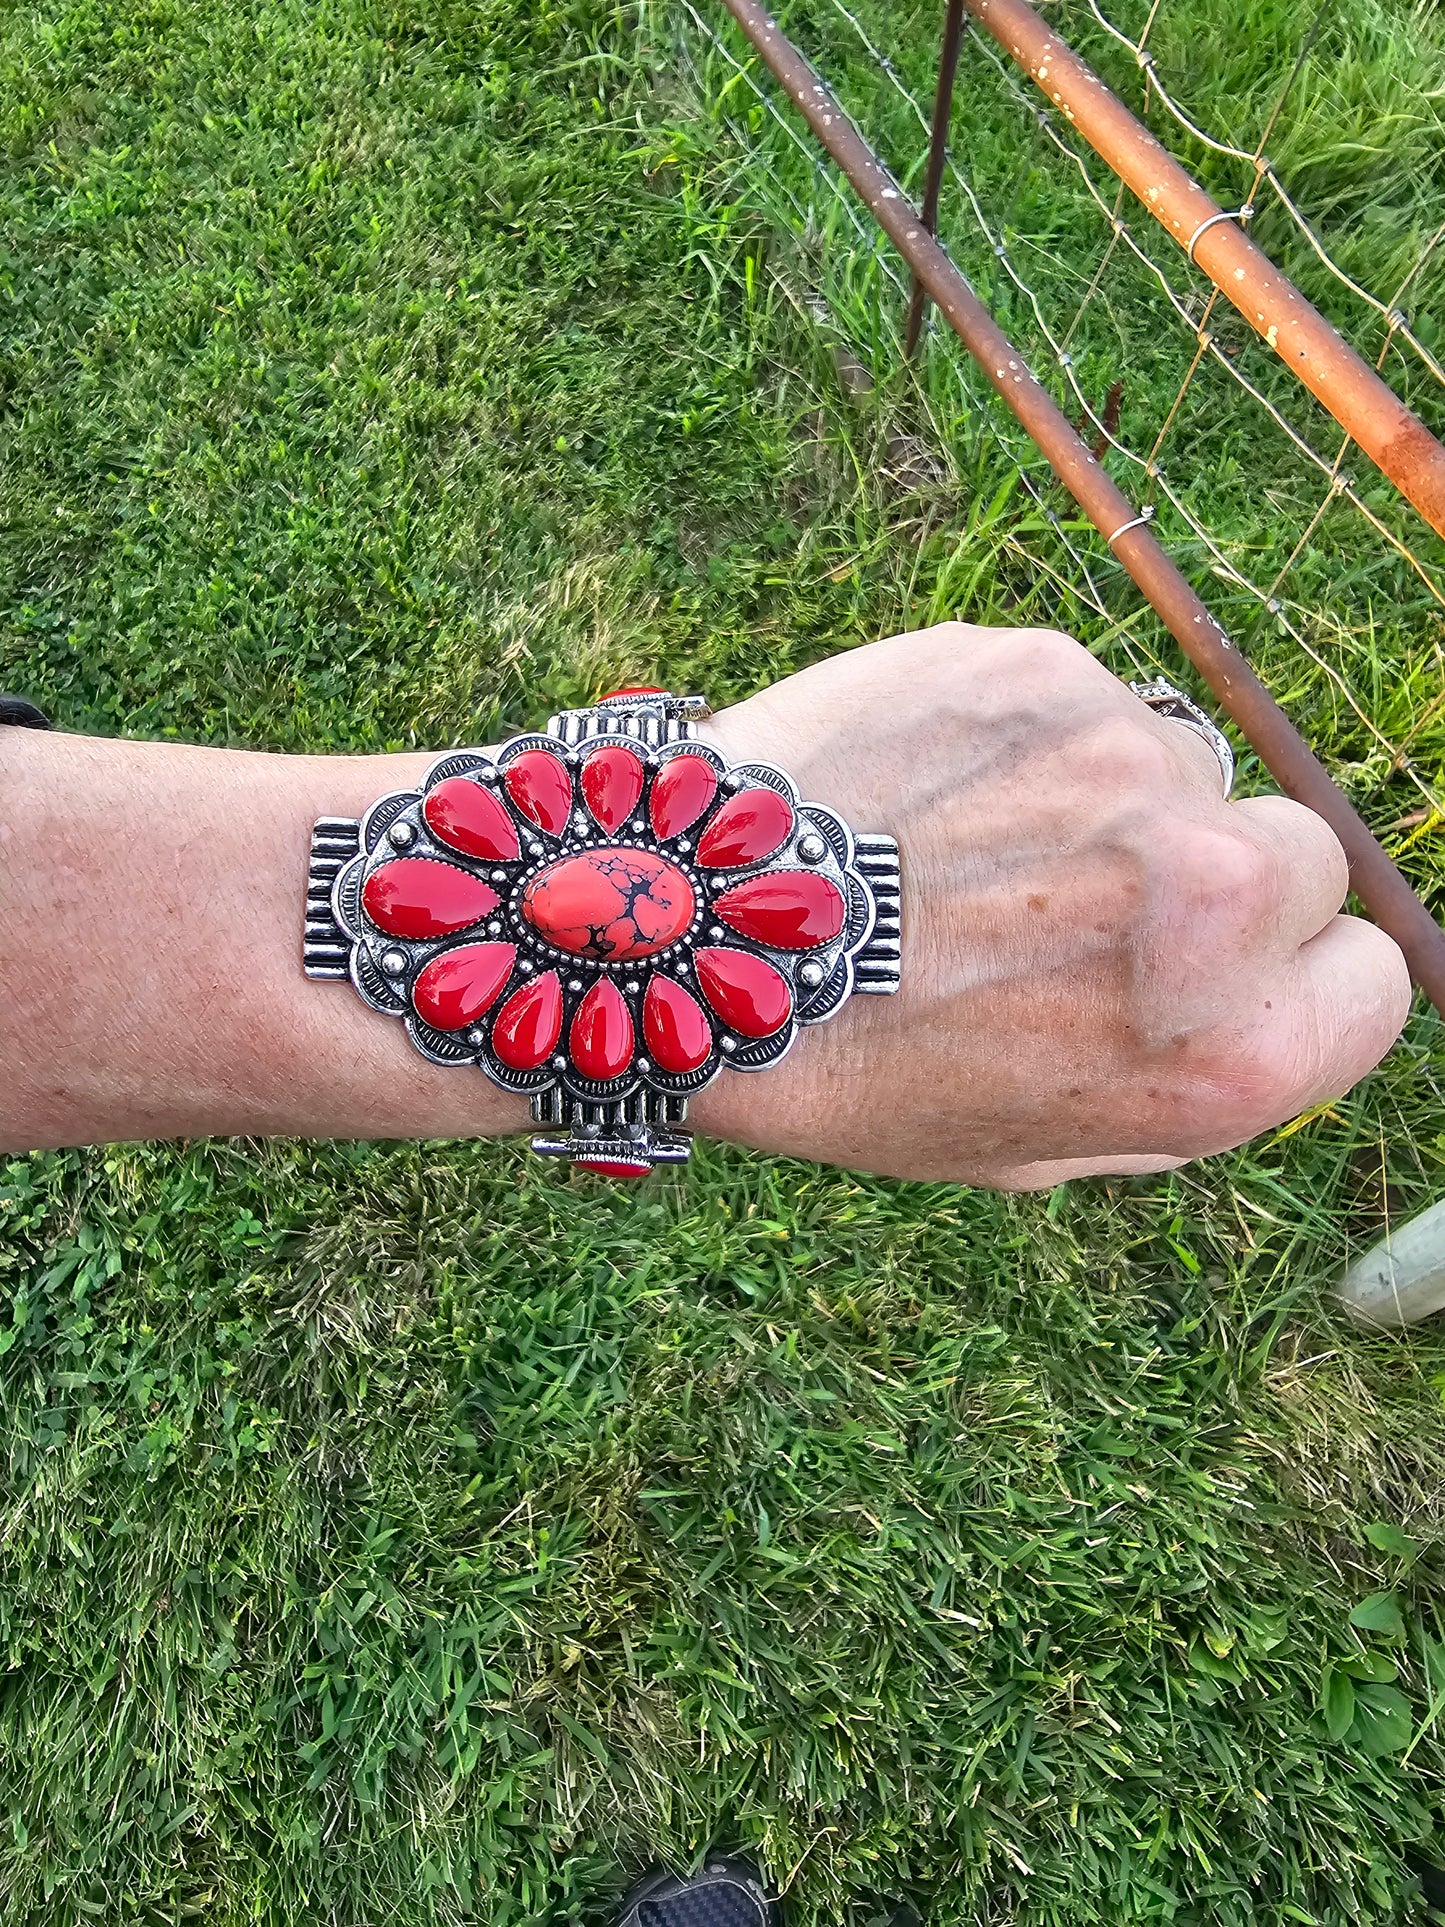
{"x": 642, "y": 1107}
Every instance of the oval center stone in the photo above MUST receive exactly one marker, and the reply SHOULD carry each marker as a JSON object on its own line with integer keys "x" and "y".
{"x": 611, "y": 905}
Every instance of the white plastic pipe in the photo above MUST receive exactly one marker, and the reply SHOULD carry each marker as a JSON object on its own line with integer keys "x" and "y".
{"x": 1402, "y": 1280}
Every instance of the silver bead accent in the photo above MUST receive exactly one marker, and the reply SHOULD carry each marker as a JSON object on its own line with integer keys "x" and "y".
{"x": 643, "y": 1065}
{"x": 559, "y": 1063}
{"x": 393, "y": 963}
{"x": 728, "y": 1045}
{"x": 534, "y": 849}
{"x": 811, "y": 973}
{"x": 812, "y": 849}
{"x": 401, "y": 834}
{"x": 526, "y": 965}
{"x": 476, "y": 1037}
{"x": 494, "y": 930}
{"x": 638, "y": 827}
{"x": 717, "y": 933}
{"x": 734, "y": 780}
{"x": 683, "y": 844}
{"x": 499, "y": 876}
{"x": 574, "y": 983}
{"x": 632, "y": 987}
{"x": 580, "y": 822}
{"x": 489, "y": 773}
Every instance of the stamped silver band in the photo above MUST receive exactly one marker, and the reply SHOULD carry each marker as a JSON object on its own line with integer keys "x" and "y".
{"x": 1165, "y": 700}
{"x": 602, "y": 916}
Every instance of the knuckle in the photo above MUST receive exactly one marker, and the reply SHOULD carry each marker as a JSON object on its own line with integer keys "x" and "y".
{"x": 1228, "y": 1090}
{"x": 1229, "y": 878}
{"x": 951, "y": 638}
{"x": 1253, "y": 1081}
{"x": 1122, "y": 753}
{"x": 1395, "y": 989}
{"x": 1251, "y": 877}
{"x": 1047, "y": 650}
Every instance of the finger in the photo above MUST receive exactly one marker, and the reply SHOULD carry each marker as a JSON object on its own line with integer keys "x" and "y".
{"x": 1048, "y": 1172}
{"x": 1341, "y": 1006}
{"x": 1349, "y": 1001}
{"x": 1192, "y": 753}
{"x": 1315, "y": 874}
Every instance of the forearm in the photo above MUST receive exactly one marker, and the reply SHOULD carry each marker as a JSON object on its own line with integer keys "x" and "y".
{"x": 150, "y": 917}
{"x": 150, "y": 903}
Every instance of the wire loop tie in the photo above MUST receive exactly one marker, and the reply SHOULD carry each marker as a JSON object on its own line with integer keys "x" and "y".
{"x": 1141, "y": 520}
{"x": 1240, "y": 214}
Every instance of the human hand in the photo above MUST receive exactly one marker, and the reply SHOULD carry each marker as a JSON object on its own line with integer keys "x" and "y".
{"x": 1106, "y": 967}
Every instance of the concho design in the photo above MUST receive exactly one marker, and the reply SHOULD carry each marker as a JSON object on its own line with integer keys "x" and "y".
{"x": 602, "y": 917}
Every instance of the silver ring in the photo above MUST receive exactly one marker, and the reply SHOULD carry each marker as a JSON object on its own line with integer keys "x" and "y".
{"x": 1165, "y": 700}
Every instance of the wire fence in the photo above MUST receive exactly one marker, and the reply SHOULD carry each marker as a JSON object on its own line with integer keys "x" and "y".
{"x": 1397, "y": 325}
{"x": 1328, "y": 578}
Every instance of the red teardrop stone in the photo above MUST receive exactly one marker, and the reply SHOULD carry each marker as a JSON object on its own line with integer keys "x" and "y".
{"x": 455, "y": 988}
{"x": 682, "y": 789}
{"x": 675, "y": 1027}
{"x": 541, "y": 789}
{"x": 469, "y": 817}
{"x": 418, "y": 896}
{"x": 748, "y": 994}
{"x": 791, "y": 909}
{"x": 748, "y": 827}
{"x": 613, "y": 1167}
{"x": 600, "y": 1040}
{"x": 528, "y": 1025}
{"x": 613, "y": 905}
{"x": 611, "y": 784}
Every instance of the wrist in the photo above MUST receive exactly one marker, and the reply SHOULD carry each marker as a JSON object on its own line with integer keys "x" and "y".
{"x": 548, "y": 824}
{"x": 831, "y": 1067}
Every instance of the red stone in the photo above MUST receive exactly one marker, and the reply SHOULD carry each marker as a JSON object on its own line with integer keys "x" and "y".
{"x": 419, "y": 896}
{"x": 675, "y": 1027}
{"x": 612, "y": 784}
{"x": 600, "y": 1041}
{"x": 469, "y": 817}
{"x": 611, "y": 905}
{"x": 790, "y": 909}
{"x": 682, "y": 789}
{"x": 455, "y": 988}
{"x": 748, "y": 827}
{"x": 636, "y": 689}
{"x": 528, "y": 1025}
{"x": 613, "y": 1167}
{"x": 748, "y": 994}
{"x": 539, "y": 785}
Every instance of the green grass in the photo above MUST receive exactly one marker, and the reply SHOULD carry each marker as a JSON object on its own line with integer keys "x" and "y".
{"x": 411, "y": 1534}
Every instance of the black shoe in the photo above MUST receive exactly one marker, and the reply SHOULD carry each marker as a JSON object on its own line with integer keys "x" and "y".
{"x": 723, "y": 1893}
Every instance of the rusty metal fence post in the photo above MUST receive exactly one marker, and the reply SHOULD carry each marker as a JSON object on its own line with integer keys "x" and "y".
{"x": 1212, "y": 237}
{"x": 937, "y": 154}
{"x": 1381, "y": 887}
